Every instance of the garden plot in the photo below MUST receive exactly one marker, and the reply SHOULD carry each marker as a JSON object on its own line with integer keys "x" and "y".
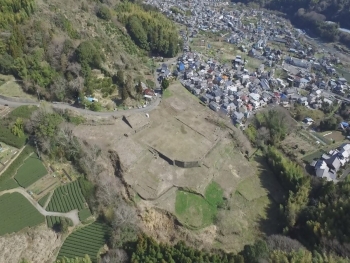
{"x": 31, "y": 171}
{"x": 300, "y": 144}
{"x": 85, "y": 241}
{"x": 334, "y": 135}
{"x": 19, "y": 213}
{"x": 43, "y": 186}
{"x": 6, "y": 154}
{"x": 66, "y": 198}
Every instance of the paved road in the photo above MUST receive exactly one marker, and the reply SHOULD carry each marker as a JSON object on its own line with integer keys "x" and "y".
{"x": 153, "y": 104}
{"x": 73, "y": 215}
{"x": 120, "y": 113}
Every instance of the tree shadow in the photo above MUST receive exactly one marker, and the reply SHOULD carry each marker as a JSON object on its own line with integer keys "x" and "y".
{"x": 273, "y": 223}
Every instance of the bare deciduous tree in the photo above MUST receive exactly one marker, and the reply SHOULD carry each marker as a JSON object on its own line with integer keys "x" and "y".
{"x": 284, "y": 243}
{"x": 74, "y": 68}
{"x": 54, "y": 52}
{"x": 58, "y": 88}
{"x": 76, "y": 84}
{"x": 115, "y": 256}
{"x": 124, "y": 214}
{"x": 107, "y": 193}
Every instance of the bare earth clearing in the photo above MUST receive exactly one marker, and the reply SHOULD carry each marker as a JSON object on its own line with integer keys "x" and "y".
{"x": 179, "y": 129}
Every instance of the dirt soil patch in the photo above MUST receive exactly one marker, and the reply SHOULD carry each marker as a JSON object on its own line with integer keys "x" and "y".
{"x": 299, "y": 144}
{"x": 334, "y": 135}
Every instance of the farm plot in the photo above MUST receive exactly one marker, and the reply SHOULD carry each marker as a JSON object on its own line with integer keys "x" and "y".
{"x": 19, "y": 213}
{"x": 66, "y": 198}
{"x": 299, "y": 143}
{"x": 334, "y": 135}
{"x": 85, "y": 241}
{"x": 52, "y": 221}
{"x": 31, "y": 171}
{"x": 43, "y": 200}
{"x": 6, "y": 178}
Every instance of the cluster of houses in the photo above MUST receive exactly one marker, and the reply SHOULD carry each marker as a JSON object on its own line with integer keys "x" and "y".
{"x": 226, "y": 90}
{"x": 330, "y": 163}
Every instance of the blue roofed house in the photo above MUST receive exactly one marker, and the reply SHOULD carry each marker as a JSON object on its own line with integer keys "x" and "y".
{"x": 344, "y": 125}
{"x": 181, "y": 67}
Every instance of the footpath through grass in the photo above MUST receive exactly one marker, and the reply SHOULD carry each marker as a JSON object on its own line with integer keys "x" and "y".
{"x": 195, "y": 211}
{"x": 31, "y": 171}
{"x": 17, "y": 213}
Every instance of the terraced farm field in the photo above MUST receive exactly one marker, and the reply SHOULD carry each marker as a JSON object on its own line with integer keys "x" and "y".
{"x": 66, "y": 198}
{"x": 19, "y": 213}
{"x": 31, "y": 171}
{"x": 87, "y": 240}
{"x": 43, "y": 200}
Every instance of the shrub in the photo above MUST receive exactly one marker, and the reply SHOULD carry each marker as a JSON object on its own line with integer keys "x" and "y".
{"x": 103, "y": 12}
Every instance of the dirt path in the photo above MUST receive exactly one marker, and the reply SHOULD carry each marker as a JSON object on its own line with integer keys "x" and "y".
{"x": 9, "y": 163}
{"x": 73, "y": 215}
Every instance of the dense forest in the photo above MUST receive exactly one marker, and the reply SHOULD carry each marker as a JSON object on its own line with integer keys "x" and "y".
{"x": 315, "y": 211}
{"x": 150, "y": 30}
{"x": 311, "y": 14}
{"x": 54, "y": 57}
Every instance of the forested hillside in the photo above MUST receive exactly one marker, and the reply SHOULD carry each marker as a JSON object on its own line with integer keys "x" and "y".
{"x": 150, "y": 30}
{"x": 311, "y": 14}
{"x": 55, "y": 47}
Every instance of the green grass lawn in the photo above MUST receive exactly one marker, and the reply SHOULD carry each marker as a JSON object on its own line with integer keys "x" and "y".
{"x": 213, "y": 194}
{"x": 196, "y": 211}
{"x": 251, "y": 188}
{"x": 31, "y": 171}
{"x": 193, "y": 210}
{"x": 315, "y": 155}
{"x": 23, "y": 112}
{"x": 166, "y": 93}
{"x": 17, "y": 213}
{"x": 84, "y": 214}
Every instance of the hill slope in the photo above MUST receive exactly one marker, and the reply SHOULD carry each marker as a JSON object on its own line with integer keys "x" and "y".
{"x": 55, "y": 46}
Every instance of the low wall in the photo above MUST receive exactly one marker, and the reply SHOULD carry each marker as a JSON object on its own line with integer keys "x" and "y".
{"x": 182, "y": 164}
{"x": 166, "y": 158}
{"x": 17, "y": 99}
{"x": 190, "y": 164}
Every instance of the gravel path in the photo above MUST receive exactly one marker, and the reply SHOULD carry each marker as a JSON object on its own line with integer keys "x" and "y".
{"x": 73, "y": 215}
